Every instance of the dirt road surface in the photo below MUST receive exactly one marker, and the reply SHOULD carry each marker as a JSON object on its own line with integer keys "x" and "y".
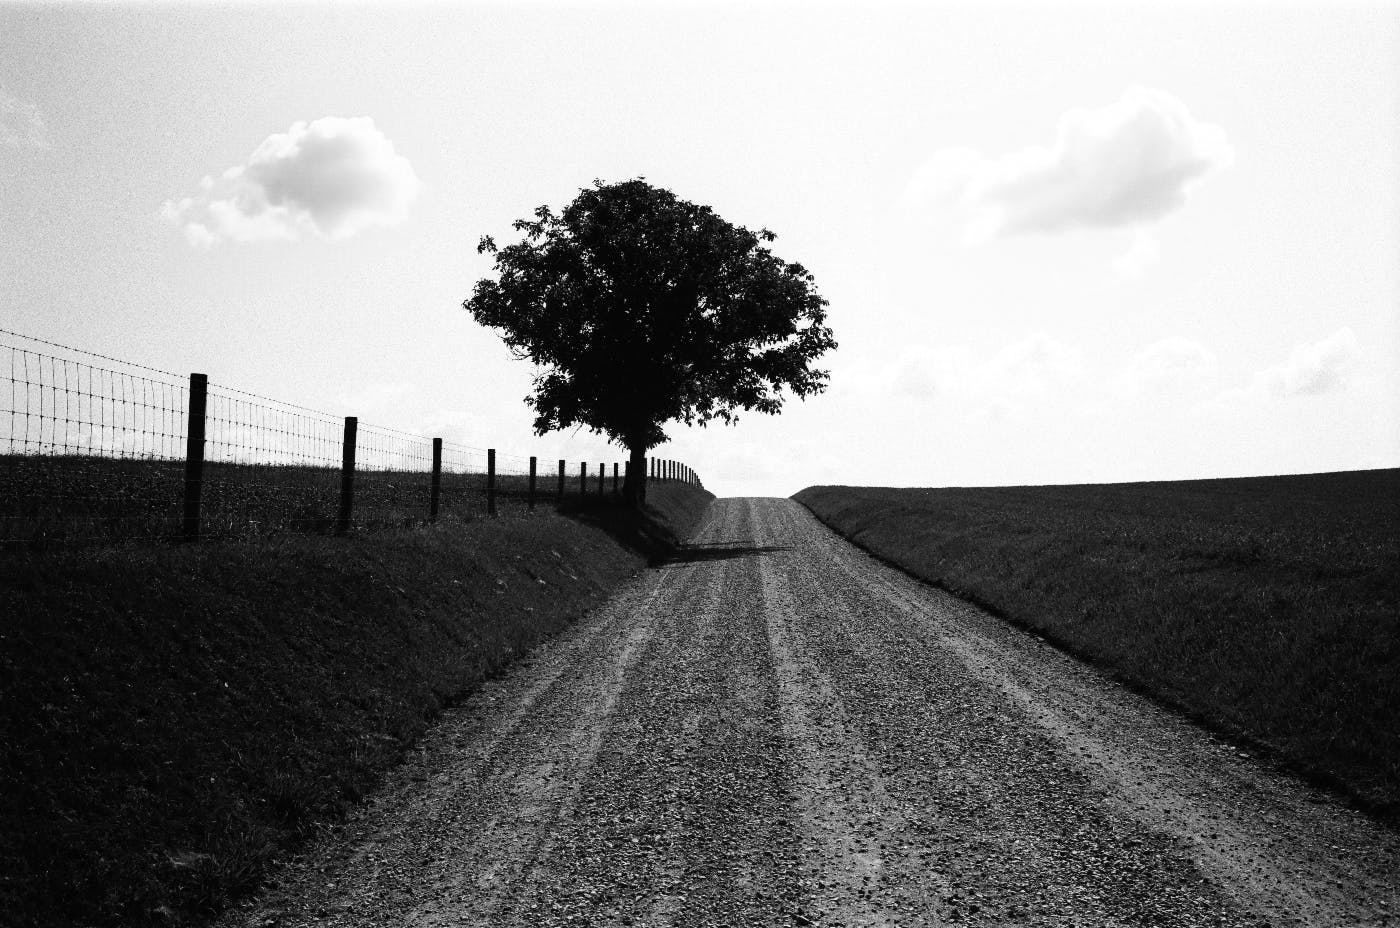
{"x": 779, "y": 730}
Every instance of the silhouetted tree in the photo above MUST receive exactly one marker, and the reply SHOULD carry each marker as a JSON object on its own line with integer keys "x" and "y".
{"x": 641, "y": 308}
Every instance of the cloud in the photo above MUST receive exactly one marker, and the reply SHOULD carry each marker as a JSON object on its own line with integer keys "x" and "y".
{"x": 1312, "y": 369}
{"x": 1034, "y": 366}
{"x": 329, "y": 178}
{"x": 21, "y": 124}
{"x": 1141, "y": 255}
{"x": 1005, "y": 381}
{"x": 1125, "y": 164}
{"x": 1171, "y": 368}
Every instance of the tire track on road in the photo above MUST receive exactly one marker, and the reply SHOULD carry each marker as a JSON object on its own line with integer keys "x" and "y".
{"x": 776, "y": 730}
{"x": 1276, "y": 847}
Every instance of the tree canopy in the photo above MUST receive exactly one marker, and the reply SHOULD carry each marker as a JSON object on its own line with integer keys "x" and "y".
{"x": 641, "y": 308}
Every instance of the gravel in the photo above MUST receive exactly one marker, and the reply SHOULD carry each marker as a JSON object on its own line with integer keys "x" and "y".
{"x": 778, "y": 730}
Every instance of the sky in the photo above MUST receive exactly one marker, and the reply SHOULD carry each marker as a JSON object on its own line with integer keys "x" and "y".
{"x": 1061, "y": 243}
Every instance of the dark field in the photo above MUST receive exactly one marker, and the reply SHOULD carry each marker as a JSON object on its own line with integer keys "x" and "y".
{"x": 50, "y": 501}
{"x": 1268, "y": 607}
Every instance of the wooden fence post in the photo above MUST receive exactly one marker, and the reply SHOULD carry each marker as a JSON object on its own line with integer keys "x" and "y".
{"x": 490, "y": 481}
{"x": 582, "y": 479}
{"x": 615, "y": 483}
{"x": 347, "y": 475}
{"x": 560, "y": 497}
{"x": 436, "y": 494}
{"x": 194, "y": 454}
{"x": 532, "y": 483}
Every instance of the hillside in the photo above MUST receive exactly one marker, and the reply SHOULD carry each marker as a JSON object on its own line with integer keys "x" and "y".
{"x": 1268, "y": 607}
{"x": 175, "y": 718}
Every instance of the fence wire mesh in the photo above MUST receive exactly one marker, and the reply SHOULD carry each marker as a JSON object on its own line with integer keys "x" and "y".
{"x": 393, "y": 477}
{"x": 270, "y": 467}
{"x": 90, "y": 447}
{"x": 93, "y": 450}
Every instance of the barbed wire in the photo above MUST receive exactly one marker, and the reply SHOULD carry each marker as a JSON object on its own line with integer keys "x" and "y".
{"x": 91, "y": 354}
{"x": 269, "y": 399}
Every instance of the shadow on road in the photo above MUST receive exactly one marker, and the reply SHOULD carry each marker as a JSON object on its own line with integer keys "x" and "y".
{"x": 719, "y": 551}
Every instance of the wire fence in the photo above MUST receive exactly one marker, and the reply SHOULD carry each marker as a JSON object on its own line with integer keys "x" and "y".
{"x": 95, "y": 450}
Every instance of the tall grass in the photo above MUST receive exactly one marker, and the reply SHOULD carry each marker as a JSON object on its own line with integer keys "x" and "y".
{"x": 1269, "y": 607}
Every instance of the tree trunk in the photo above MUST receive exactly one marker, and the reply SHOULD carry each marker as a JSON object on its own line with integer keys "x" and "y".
{"x": 634, "y": 488}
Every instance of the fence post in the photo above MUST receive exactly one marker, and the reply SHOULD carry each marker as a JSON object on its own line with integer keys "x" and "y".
{"x": 582, "y": 479}
{"x": 490, "y": 481}
{"x": 560, "y": 498}
{"x": 532, "y": 483}
{"x": 194, "y": 454}
{"x": 347, "y": 475}
{"x": 615, "y": 483}
{"x": 436, "y": 494}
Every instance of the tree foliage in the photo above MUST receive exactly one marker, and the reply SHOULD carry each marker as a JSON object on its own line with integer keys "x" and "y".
{"x": 641, "y": 308}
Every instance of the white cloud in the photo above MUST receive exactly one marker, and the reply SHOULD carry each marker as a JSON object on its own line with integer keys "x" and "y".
{"x": 1312, "y": 369}
{"x": 1033, "y": 366}
{"x": 329, "y": 178}
{"x": 21, "y": 123}
{"x": 1141, "y": 255}
{"x": 1319, "y": 367}
{"x": 1009, "y": 379}
{"x": 925, "y": 373}
{"x": 1171, "y": 368}
{"x": 1128, "y": 163}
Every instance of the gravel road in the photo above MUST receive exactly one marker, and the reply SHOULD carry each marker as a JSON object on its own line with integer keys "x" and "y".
{"x": 779, "y": 730}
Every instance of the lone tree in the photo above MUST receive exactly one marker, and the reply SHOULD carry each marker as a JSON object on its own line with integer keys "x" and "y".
{"x": 641, "y": 308}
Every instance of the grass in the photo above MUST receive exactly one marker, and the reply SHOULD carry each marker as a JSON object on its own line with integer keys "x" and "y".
{"x": 49, "y": 501}
{"x": 1267, "y": 607}
{"x": 175, "y": 719}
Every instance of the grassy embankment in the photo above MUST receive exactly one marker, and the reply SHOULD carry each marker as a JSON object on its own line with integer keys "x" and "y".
{"x": 173, "y": 719}
{"x": 1267, "y": 607}
{"x": 50, "y": 502}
